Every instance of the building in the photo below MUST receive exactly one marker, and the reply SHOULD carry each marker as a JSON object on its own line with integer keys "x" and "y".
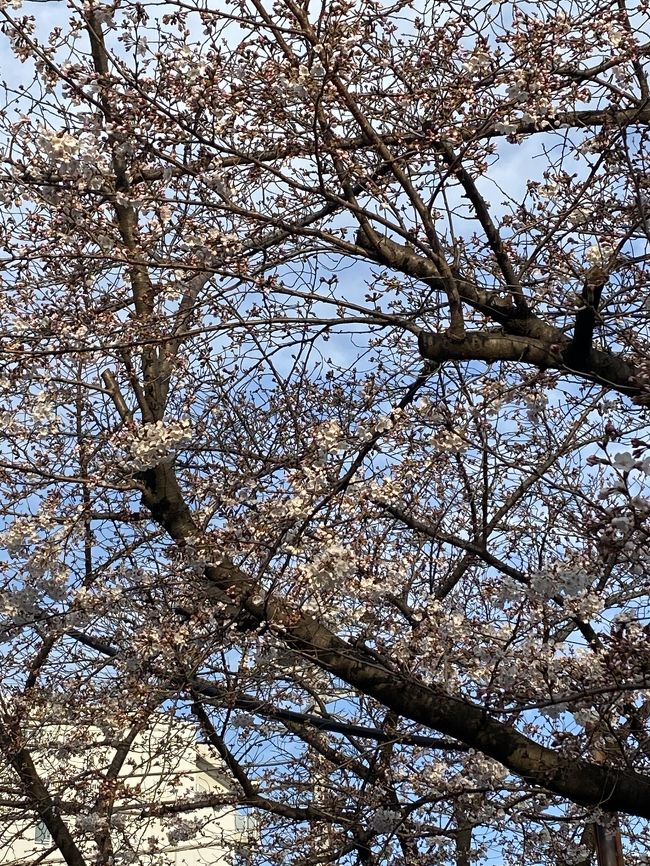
{"x": 172, "y": 804}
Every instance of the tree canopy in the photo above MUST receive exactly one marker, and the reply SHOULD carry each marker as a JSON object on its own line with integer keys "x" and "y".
{"x": 324, "y": 374}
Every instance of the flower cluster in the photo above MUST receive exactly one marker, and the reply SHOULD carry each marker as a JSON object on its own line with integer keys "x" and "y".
{"x": 21, "y": 533}
{"x": 549, "y": 583}
{"x": 478, "y": 63}
{"x": 329, "y": 437}
{"x": 483, "y": 770}
{"x": 625, "y": 462}
{"x": 384, "y": 820}
{"x": 155, "y": 443}
{"x": 598, "y": 255}
{"x": 330, "y": 567}
{"x": 183, "y": 831}
{"x": 71, "y": 155}
{"x": 535, "y": 405}
{"x": 449, "y": 441}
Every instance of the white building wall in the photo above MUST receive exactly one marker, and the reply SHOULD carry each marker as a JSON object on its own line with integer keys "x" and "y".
{"x": 165, "y": 767}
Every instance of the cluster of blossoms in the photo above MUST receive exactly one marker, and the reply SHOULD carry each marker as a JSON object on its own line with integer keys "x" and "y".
{"x": 383, "y": 424}
{"x": 46, "y": 559}
{"x": 88, "y": 823}
{"x": 71, "y": 155}
{"x": 483, "y": 771}
{"x": 549, "y": 582}
{"x": 22, "y": 533}
{"x": 184, "y": 830}
{"x": 330, "y": 568}
{"x": 449, "y": 441}
{"x": 598, "y": 254}
{"x": 638, "y": 555}
{"x": 625, "y": 462}
{"x": 535, "y": 405}
{"x": 478, "y": 63}
{"x": 330, "y": 438}
{"x": 298, "y": 88}
{"x": 385, "y": 820}
{"x": 152, "y": 444}
{"x": 576, "y": 854}
{"x": 20, "y": 605}
{"x": 307, "y": 484}
{"x": 529, "y": 105}
{"x": 627, "y": 506}
{"x": 43, "y": 409}
{"x": 243, "y": 721}
{"x": 517, "y": 92}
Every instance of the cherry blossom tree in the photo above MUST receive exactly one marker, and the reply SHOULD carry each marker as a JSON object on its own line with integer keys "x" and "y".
{"x": 325, "y": 365}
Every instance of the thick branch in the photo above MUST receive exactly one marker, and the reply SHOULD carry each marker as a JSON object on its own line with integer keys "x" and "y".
{"x": 525, "y": 339}
{"x": 603, "y": 368}
{"x": 611, "y": 788}
{"x": 40, "y": 799}
{"x": 580, "y": 350}
{"x": 221, "y": 696}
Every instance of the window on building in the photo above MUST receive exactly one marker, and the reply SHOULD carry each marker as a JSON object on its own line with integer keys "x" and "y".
{"x": 242, "y": 822}
{"x": 42, "y": 835}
